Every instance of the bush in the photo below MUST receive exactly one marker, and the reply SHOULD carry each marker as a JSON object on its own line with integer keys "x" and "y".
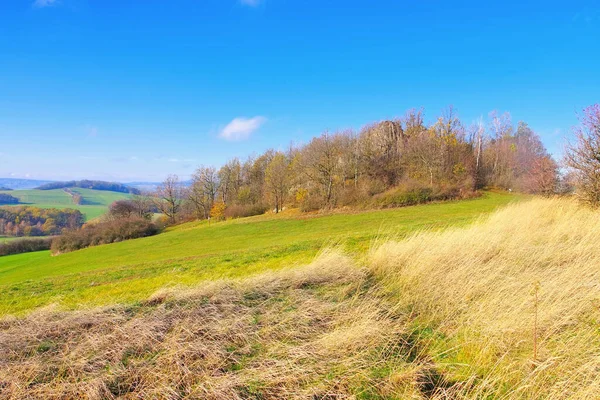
{"x": 103, "y": 233}
{"x": 240, "y": 211}
{"x": 25, "y": 246}
{"x": 412, "y": 193}
{"x": 311, "y": 202}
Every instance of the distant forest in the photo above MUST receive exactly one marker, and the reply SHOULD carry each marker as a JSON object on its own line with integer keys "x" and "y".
{"x": 87, "y": 184}
{"x": 8, "y": 199}
{"x": 34, "y": 221}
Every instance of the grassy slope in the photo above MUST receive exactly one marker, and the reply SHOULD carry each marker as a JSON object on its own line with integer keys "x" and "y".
{"x": 95, "y": 202}
{"x": 516, "y": 311}
{"x": 190, "y": 253}
{"x": 506, "y": 308}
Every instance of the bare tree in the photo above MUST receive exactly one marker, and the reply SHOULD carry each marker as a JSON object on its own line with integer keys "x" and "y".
{"x": 169, "y": 196}
{"x": 583, "y": 156}
{"x": 230, "y": 176}
{"x": 143, "y": 205}
{"x": 277, "y": 179}
{"x": 203, "y": 191}
{"x": 319, "y": 162}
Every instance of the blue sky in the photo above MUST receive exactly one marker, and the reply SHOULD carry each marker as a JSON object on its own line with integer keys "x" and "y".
{"x": 135, "y": 90}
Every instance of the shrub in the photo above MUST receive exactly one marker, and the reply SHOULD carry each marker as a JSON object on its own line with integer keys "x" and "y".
{"x": 241, "y": 211}
{"x": 217, "y": 211}
{"x": 103, "y": 233}
{"x": 412, "y": 193}
{"x": 25, "y": 246}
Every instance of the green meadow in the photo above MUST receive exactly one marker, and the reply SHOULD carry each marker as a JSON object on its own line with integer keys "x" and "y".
{"x": 4, "y": 239}
{"x": 95, "y": 202}
{"x": 194, "y": 252}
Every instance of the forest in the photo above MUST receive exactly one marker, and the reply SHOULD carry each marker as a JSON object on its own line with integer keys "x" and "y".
{"x": 8, "y": 199}
{"x": 88, "y": 184}
{"x": 386, "y": 164}
{"x": 34, "y": 221}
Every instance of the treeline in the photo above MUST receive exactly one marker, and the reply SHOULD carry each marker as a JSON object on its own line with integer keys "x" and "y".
{"x": 8, "y": 199}
{"x": 25, "y": 246}
{"x": 397, "y": 162}
{"x": 87, "y": 184}
{"x": 125, "y": 220}
{"x": 582, "y": 156}
{"x": 105, "y": 232}
{"x": 34, "y": 221}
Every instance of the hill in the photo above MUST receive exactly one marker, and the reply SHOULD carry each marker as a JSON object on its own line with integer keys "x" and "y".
{"x": 14, "y": 183}
{"x": 88, "y": 184}
{"x": 190, "y": 253}
{"x": 94, "y": 202}
{"x": 502, "y": 308}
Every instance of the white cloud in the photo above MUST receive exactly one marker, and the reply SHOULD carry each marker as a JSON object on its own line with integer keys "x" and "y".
{"x": 44, "y": 3}
{"x": 241, "y": 128}
{"x": 251, "y": 3}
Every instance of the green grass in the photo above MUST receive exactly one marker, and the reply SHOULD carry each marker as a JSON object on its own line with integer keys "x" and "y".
{"x": 95, "y": 202}
{"x": 193, "y": 252}
{"x": 5, "y": 239}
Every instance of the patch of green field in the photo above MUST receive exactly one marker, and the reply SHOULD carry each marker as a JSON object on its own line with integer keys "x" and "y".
{"x": 5, "y": 239}
{"x": 95, "y": 202}
{"x": 193, "y": 252}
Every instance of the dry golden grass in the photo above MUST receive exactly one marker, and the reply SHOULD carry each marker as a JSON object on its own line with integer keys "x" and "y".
{"x": 508, "y": 308}
{"x": 476, "y": 288}
{"x": 313, "y": 332}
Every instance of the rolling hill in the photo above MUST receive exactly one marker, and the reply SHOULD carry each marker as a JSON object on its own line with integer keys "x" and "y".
{"x": 94, "y": 204}
{"x": 190, "y": 253}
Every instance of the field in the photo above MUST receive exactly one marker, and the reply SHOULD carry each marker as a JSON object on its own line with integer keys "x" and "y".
{"x": 499, "y": 306}
{"x": 95, "y": 202}
{"x": 187, "y": 254}
{"x": 4, "y": 239}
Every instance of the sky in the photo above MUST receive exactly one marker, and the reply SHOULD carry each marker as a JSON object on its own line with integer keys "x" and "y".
{"x": 136, "y": 90}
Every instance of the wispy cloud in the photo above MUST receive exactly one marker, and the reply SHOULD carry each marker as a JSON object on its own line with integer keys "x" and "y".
{"x": 91, "y": 130}
{"x": 251, "y": 3}
{"x": 44, "y": 3}
{"x": 241, "y": 128}
{"x": 586, "y": 16}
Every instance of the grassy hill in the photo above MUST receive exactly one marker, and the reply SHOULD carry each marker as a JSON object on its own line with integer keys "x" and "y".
{"x": 503, "y": 308}
{"x": 190, "y": 253}
{"x": 95, "y": 202}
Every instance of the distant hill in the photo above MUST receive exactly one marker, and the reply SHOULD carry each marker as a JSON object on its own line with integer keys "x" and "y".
{"x": 144, "y": 186}
{"x": 87, "y": 184}
{"x": 14, "y": 183}
{"x": 151, "y": 186}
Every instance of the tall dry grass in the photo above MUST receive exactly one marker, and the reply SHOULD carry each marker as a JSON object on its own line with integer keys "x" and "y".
{"x": 311, "y": 332}
{"x": 510, "y": 306}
